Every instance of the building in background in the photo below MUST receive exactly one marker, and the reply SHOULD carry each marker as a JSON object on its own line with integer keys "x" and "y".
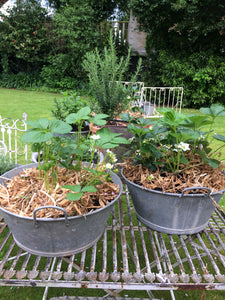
{"x": 135, "y": 37}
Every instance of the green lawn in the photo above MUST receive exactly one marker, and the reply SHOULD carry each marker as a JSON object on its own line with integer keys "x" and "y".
{"x": 13, "y": 103}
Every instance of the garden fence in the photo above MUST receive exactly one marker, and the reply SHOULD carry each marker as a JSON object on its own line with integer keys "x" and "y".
{"x": 10, "y": 144}
{"x": 153, "y": 98}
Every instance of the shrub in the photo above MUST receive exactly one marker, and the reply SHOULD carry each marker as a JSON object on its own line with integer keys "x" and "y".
{"x": 74, "y": 33}
{"x": 185, "y": 46}
{"x": 67, "y": 105}
{"x": 201, "y": 75}
{"x": 105, "y": 73}
{"x": 56, "y": 74}
{"x": 20, "y": 80}
{"x": 23, "y": 41}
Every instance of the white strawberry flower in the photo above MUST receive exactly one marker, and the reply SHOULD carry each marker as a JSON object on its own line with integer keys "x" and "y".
{"x": 112, "y": 156}
{"x": 109, "y": 166}
{"x": 202, "y": 137}
{"x": 95, "y": 137}
{"x": 183, "y": 146}
{"x": 150, "y": 177}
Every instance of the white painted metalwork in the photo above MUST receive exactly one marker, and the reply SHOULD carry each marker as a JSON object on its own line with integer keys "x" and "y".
{"x": 135, "y": 89}
{"x": 137, "y": 85}
{"x": 10, "y": 144}
{"x": 3, "y": 148}
{"x": 153, "y": 98}
{"x": 128, "y": 257}
{"x": 120, "y": 29}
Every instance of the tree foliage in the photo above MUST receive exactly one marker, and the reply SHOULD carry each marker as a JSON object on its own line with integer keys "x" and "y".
{"x": 31, "y": 42}
{"x": 201, "y": 74}
{"x": 73, "y": 34}
{"x": 23, "y": 41}
{"x": 102, "y": 9}
{"x": 186, "y": 46}
{"x": 183, "y": 25}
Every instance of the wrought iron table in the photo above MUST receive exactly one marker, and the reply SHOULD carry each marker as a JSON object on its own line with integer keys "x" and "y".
{"x": 129, "y": 257}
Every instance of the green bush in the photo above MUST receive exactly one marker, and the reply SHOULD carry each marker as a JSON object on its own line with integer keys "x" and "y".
{"x": 73, "y": 34}
{"x": 24, "y": 44}
{"x": 105, "y": 72}
{"x": 31, "y": 41}
{"x": 56, "y": 74}
{"x": 201, "y": 75}
{"x": 20, "y": 81}
{"x": 185, "y": 47}
{"x": 67, "y": 105}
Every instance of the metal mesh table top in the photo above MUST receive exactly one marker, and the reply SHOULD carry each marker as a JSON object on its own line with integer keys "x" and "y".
{"x": 128, "y": 256}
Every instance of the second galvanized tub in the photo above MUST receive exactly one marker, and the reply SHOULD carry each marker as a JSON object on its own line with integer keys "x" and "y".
{"x": 57, "y": 237}
{"x": 173, "y": 213}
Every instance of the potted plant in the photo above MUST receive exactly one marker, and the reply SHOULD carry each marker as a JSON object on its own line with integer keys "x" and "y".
{"x": 60, "y": 205}
{"x": 106, "y": 73}
{"x": 174, "y": 175}
{"x": 62, "y": 108}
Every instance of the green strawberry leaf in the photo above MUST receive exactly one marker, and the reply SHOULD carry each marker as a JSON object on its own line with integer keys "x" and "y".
{"x": 73, "y": 196}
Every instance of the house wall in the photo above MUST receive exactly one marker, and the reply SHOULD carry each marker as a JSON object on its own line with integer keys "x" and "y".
{"x": 136, "y": 38}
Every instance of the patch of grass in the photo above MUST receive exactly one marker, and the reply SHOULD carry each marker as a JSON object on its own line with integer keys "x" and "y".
{"x": 13, "y": 103}
{"x": 219, "y": 128}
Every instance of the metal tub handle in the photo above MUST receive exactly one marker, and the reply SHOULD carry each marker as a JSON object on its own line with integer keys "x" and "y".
{"x": 195, "y": 188}
{"x": 50, "y": 206}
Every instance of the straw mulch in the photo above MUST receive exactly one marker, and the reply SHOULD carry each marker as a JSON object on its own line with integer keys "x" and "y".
{"x": 26, "y": 192}
{"x": 136, "y": 114}
{"x": 200, "y": 176}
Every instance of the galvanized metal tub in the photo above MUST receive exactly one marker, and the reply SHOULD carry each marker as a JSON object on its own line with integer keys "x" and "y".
{"x": 57, "y": 237}
{"x": 34, "y": 156}
{"x": 173, "y": 213}
{"x": 73, "y": 134}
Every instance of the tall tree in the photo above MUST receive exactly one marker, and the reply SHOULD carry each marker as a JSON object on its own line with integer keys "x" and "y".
{"x": 73, "y": 34}
{"x": 103, "y": 9}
